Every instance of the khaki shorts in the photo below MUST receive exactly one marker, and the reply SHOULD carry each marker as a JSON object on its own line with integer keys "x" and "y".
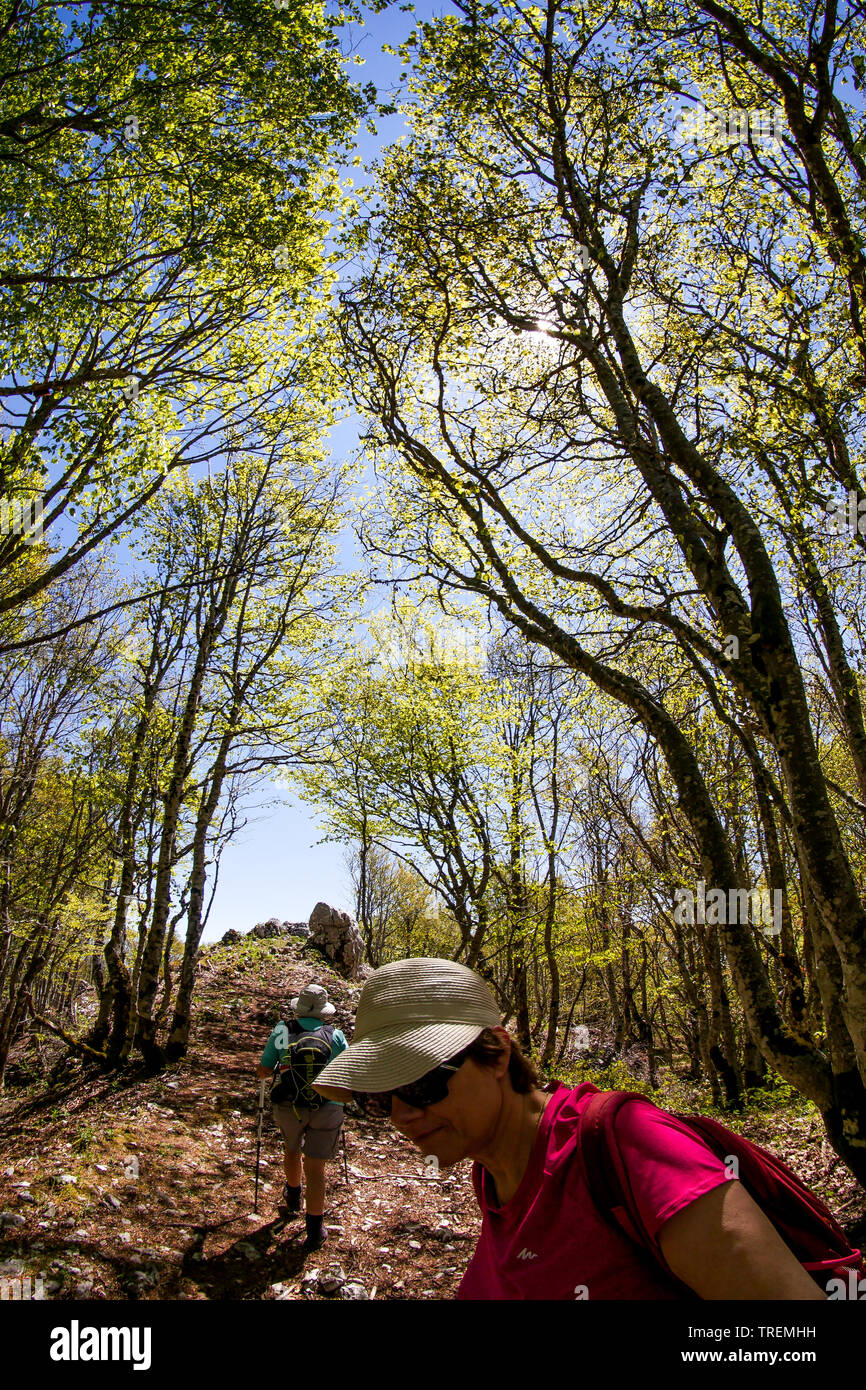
{"x": 317, "y": 1132}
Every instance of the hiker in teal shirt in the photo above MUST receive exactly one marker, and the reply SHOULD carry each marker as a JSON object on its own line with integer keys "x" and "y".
{"x": 313, "y": 1131}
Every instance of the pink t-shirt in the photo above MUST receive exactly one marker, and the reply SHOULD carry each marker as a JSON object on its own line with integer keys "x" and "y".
{"x": 549, "y": 1241}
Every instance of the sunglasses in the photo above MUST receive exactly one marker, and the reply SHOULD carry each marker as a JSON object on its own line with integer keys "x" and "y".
{"x": 429, "y": 1089}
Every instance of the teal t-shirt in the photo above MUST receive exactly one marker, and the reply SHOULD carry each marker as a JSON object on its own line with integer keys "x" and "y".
{"x": 272, "y": 1054}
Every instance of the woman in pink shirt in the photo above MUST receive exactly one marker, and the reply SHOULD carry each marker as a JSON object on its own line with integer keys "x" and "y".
{"x": 429, "y": 1046}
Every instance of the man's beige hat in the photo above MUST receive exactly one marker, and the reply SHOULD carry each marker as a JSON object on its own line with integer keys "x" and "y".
{"x": 412, "y": 1015}
{"x": 312, "y": 1002}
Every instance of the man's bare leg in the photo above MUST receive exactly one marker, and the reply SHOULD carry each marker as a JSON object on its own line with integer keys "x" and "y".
{"x": 314, "y": 1172}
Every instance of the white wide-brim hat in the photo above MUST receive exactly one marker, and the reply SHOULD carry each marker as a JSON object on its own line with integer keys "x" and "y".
{"x": 312, "y": 1002}
{"x": 412, "y": 1015}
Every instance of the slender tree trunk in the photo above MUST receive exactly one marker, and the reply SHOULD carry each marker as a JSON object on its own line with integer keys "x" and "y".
{"x": 178, "y": 1035}
{"x": 148, "y": 981}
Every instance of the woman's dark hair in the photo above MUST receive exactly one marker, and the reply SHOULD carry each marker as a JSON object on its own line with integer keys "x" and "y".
{"x": 487, "y": 1049}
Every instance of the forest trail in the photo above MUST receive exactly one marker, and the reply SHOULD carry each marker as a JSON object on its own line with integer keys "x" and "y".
{"x": 143, "y": 1189}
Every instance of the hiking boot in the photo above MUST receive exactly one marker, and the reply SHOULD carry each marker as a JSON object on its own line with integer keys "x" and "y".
{"x": 291, "y": 1202}
{"x": 317, "y": 1234}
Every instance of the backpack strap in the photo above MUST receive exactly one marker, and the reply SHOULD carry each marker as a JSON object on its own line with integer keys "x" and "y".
{"x": 602, "y": 1162}
{"x": 607, "y": 1177}
{"x": 293, "y": 1028}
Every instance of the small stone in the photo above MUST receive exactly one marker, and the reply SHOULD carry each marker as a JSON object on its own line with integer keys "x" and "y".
{"x": 11, "y": 1218}
{"x": 354, "y": 1291}
{"x": 332, "y": 1279}
{"x": 414, "y": 1245}
{"x": 27, "y": 1197}
{"x": 111, "y": 1202}
{"x": 62, "y": 1179}
{"x": 101, "y": 1167}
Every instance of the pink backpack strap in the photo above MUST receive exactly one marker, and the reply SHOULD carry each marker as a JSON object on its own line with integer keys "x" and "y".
{"x": 603, "y": 1165}
{"x": 601, "y": 1175}
{"x": 606, "y": 1174}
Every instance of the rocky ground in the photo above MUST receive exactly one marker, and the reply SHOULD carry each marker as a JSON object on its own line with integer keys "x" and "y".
{"x": 142, "y": 1188}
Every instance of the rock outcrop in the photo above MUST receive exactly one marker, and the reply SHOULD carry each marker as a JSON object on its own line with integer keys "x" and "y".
{"x": 274, "y": 927}
{"x": 264, "y": 930}
{"x": 336, "y": 934}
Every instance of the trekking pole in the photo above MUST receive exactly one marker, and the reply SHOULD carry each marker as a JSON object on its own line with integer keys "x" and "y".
{"x": 345, "y": 1161}
{"x": 259, "y": 1140}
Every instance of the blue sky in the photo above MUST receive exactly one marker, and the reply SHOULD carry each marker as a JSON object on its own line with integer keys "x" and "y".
{"x": 275, "y": 867}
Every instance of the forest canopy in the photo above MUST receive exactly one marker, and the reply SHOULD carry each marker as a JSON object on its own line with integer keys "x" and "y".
{"x": 602, "y": 316}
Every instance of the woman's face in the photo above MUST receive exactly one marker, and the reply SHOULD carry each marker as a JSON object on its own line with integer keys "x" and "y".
{"x": 464, "y": 1123}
